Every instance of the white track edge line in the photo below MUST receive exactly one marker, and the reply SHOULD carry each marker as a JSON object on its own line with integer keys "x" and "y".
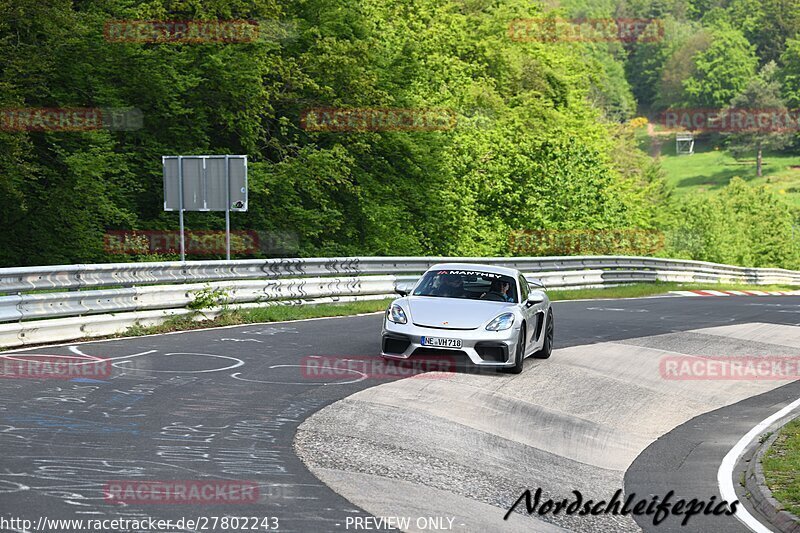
{"x": 725, "y": 472}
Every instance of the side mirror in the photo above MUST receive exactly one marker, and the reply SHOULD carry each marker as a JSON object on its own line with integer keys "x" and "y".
{"x": 403, "y": 288}
{"x": 536, "y": 297}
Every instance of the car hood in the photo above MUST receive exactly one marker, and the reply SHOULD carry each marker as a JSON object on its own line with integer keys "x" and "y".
{"x": 457, "y": 313}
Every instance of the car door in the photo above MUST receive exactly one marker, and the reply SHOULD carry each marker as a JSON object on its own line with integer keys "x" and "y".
{"x": 534, "y": 316}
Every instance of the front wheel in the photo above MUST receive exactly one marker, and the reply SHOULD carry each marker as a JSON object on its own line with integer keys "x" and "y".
{"x": 519, "y": 354}
{"x": 547, "y": 347}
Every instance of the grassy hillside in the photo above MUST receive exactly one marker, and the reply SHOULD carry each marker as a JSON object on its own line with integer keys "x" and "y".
{"x": 711, "y": 167}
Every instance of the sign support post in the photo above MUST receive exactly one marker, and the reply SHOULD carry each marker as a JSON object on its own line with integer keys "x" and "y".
{"x": 227, "y": 211}
{"x": 180, "y": 215}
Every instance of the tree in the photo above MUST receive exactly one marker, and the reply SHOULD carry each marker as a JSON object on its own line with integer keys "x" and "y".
{"x": 678, "y": 67}
{"x": 748, "y": 17}
{"x": 767, "y": 24}
{"x": 651, "y": 53}
{"x": 780, "y": 21}
{"x": 740, "y": 225}
{"x": 760, "y": 97}
{"x": 790, "y": 73}
{"x": 722, "y": 70}
{"x": 610, "y": 89}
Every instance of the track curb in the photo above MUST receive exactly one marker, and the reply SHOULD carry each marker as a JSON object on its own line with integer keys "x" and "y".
{"x": 759, "y": 494}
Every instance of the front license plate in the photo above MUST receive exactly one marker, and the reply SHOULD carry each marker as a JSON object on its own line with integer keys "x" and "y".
{"x": 440, "y": 342}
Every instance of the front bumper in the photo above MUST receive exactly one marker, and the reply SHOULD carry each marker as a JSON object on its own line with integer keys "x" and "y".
{"x": 479, "y": 346}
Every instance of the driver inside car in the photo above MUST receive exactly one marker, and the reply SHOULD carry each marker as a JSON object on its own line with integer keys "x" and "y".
{"x": 498, "y": 291}
{"x": 452, "y": 287}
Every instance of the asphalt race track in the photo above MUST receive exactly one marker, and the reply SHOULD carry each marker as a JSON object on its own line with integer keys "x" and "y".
{"x": 227, "y": 404}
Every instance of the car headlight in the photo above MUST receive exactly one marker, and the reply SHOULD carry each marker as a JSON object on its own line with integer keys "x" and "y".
{"x": 501, "y": 322}
{"x": 396, "y": 314}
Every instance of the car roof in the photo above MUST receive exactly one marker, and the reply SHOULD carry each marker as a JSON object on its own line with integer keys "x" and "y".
{"x": 476, "y": 266}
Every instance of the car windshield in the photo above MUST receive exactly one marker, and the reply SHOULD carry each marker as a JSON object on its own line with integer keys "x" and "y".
{"x": 467, "y": 284}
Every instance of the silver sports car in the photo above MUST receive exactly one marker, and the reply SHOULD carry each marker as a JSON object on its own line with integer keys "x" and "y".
{"x": 489, "y": 314}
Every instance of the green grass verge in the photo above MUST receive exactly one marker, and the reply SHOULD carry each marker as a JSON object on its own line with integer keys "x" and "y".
{"x": 273, "y": 313}
{"x": 781, "y": 466}
{"x": 278, "y": 313}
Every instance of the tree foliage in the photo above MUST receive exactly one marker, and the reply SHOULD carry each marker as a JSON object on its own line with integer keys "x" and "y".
{"x": 742, "y": 225}
{"x": 539, "y": 141}
{"x": 720, "y": 71}
{"x": 531, "y": 145}
{"x": 762, "y": 94}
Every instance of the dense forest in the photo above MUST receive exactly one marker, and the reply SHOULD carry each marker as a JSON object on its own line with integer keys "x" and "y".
{"x": 542, "y": 136}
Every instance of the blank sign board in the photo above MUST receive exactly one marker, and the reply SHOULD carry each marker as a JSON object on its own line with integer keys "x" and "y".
{"x": 206, "y": 184}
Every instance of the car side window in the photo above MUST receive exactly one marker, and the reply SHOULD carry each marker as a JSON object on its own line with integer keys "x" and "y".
{"x": 523, "y": 287}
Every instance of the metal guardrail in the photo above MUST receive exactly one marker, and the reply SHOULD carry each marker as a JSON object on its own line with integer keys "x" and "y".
{"x": 76, "y": 292}
{"x": 13, "y": 280}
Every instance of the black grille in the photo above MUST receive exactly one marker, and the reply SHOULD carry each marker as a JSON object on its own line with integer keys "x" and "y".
{"x": 395, "y": 345}
{"x": 539, "y": 321}
{"x": 442, "y": 327}
{"x": 452, "y": 359}
{"x": 496, "y": 352}
{"x": 438, "y": 351}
